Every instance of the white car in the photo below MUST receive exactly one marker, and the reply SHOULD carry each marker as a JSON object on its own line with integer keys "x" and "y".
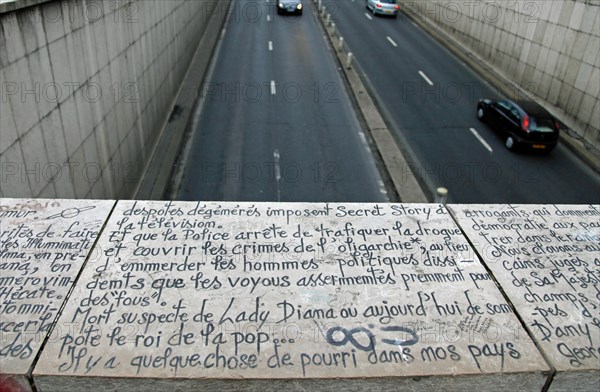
{"x": 383, "y": 7}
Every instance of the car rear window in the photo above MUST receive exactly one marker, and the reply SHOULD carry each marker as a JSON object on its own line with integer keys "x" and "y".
{"x": 542, "y": 125}
{"x": 388, "y": 1}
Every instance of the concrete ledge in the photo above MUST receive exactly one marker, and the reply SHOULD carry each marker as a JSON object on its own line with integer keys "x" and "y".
{"x": 291, "y": 296}
{"x": 278, "y": 294}
{"x": 499, "y": 382}
{"x": 43, "y": 247}
{"x": 541, "y": 255}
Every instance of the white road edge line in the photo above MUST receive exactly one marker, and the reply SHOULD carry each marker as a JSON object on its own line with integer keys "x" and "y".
{"x": 363, "y": 138}
{"x": 426, "y": 78}
{"x": 382, "y": 188}
{"x": 273, "y": 91}
{"x": 368, "y": 16}
{"x": 392, "y": 41}
{"x": 481, "y": 139}
{"x": 270, "y": 46}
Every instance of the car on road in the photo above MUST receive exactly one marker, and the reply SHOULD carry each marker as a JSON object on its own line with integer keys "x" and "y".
{"x": 523, "y": 123}
{"x": 383, "y": 7}
{"x": 289, "y": 7}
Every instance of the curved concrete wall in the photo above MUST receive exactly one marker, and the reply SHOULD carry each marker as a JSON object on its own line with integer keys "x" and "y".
{"x": 85, "y": 89}
{"x": 548, "y": 47}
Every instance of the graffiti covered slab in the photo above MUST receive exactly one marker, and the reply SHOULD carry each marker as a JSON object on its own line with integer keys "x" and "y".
{"x": 229, "y": 291}
{"x": 547, "y": 260}
{"x": 43, "y": 245}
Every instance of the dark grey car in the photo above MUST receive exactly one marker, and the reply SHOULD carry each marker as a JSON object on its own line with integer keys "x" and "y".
{"x": 289, "y": 7}
{"x": 523, "y": 123}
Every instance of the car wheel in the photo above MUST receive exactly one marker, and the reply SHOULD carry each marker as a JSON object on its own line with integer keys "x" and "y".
{"x": 510, "y": 143}
{"x": 480, "y": 114}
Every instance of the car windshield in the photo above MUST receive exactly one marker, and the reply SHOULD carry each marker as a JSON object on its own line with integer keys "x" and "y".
{"x": 542, "y": 125}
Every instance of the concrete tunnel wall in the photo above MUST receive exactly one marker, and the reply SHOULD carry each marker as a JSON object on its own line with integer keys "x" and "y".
{"x": 86, "y": 87}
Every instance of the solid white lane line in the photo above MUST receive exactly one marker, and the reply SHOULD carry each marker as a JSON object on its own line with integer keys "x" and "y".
{"x": 270, "y": 46}
{"x": 481, "y": 140}
{"x": 392, "y": 41}
{"x": 368, "y": 16}
{"x": 426, "y": 78}
{"x": 273, "y": 91}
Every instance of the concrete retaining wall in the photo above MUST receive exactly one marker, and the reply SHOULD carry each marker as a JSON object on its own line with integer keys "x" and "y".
{"x": 85, "y": 89}
{"x": 548, "y": 47}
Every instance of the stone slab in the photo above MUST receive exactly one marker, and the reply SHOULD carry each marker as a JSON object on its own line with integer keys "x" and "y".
{"x": 214, "y": 293}
{"x": 43, "y": 245}
{"x": 547, "y": 261}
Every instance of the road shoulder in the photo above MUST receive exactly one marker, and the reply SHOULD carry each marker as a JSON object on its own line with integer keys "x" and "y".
{"x": 403, "y": 178}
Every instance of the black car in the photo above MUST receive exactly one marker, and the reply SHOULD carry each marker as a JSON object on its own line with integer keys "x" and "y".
{"x": 289, "y": 7}
{"x": 523, "y": 123}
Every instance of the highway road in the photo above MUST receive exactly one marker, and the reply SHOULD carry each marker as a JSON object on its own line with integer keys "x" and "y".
{"x": 275, "y": 122}
{"x": 428, "y": 98}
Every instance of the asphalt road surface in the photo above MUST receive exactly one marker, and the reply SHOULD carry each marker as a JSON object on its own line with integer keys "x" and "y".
{"x": 276, "y": 123}
{"x": 429, "y": 98}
